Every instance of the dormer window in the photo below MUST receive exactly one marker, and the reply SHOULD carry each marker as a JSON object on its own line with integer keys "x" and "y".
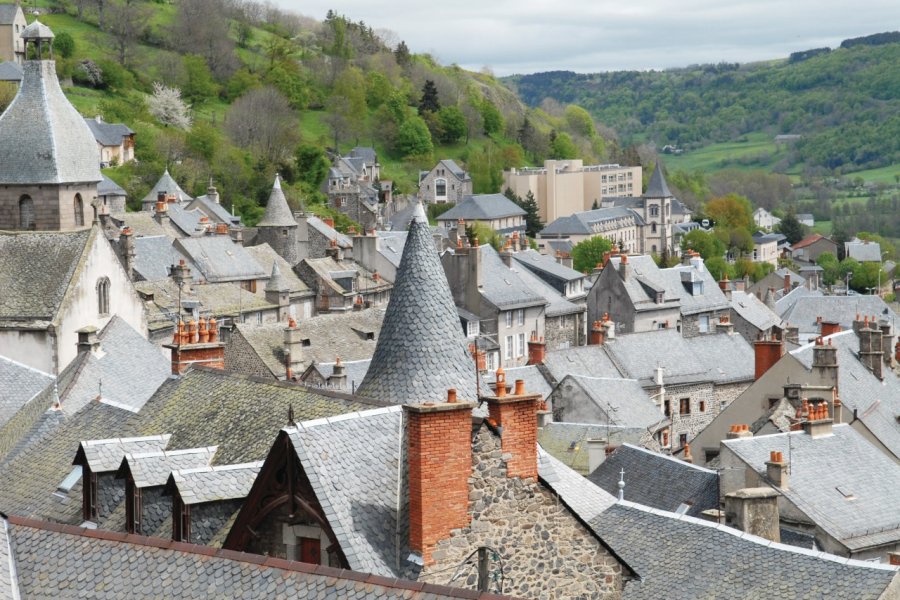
{"x": 659, "y": 297}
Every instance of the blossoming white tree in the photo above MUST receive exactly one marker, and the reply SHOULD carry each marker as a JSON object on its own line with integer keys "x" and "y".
{"x": 167, "y": 106}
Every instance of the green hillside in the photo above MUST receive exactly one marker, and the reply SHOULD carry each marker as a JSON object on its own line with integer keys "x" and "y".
{"x": 845, "y": 103}
{"x": 266, "y": 90}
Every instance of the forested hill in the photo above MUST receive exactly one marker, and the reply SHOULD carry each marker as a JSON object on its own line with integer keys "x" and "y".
{"x": 844, "y": 102}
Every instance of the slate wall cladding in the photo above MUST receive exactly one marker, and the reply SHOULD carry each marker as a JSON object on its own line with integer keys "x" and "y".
{"x": 209, "y": 518}
{"x": 546, "y": 552}
{"x": 156, "y": 509}
{"x": 110, "y": 493}
{"x": 240, "y": 357}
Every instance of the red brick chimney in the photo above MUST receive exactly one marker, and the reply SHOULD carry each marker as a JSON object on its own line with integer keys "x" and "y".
{"x": 479, "y": 356}
{"x": 596, "y": 338}
{"x": 787, "y": 283}
{"x": 329, "y": 221}
{"x": 768, "y": 352}
{"x": 537, "y": 350}
{"x": 515, "y": 416}
{"x": 828, "y": 327}
{"x": 189, "y": 348}
{"x": 439, "y": 456}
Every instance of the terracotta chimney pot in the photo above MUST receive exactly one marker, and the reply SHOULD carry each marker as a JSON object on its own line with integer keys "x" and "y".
{"x": 520, "y": 387}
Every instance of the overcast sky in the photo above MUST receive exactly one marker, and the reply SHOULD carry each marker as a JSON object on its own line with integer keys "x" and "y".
{"x": 528, "y": 36}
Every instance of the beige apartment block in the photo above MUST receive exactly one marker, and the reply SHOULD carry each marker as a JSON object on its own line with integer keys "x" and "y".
{"x": 564, "y": 187}
{"x": 12, "y": 24}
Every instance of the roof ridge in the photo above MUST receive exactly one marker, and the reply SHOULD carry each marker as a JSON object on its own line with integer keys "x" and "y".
{"x": 671, "y": 458}
{"x": 219, "y": 468}
{"x": 146, "y": 438}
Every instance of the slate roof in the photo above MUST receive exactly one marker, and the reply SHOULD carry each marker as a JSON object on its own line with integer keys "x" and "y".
{"x": 841, "y": 309}
{"x": 542, "y": 263}
{"x": 220, "y": 259}
{"x": 11, "y": 71}
{"x": 36, "y": 271}
{"x": 711, "y": 297}
{"x": 206, "y": 407}
{"x": 503, "y": 287}
{"x": 535, "y": 382}
{"x": 329, "y": 232}
{"x": 142, "y": 223}
{"x": 421, "y": 351}
{"x": 351, "y": 336}
{"x": 213, "y": 484}
{"x": 276, "y": 282}
{"x": 266, "y": 256}
{"x": 582, "y": 496}
{"x": 108, "y": 134}
{"x": 567, "y": 441}
{"x": 18, "y": 384}
{"x": 104, "y": 456}
{"x": 591, "y": 361}
{"x": 166, "y": 183}
{"x": 482, "y": 207}
{"x": 153, "y": 255}
{"x": 45, "y": 139}
{"x": 856, "y": 503}
{"x": 455, "y": 168}
{"x": 127, "y": 370}
{"x": 584, "y": 223}
{"x": 366, "y": 153}
{"x": 657, "y": 480}
{"x": 8, "y": 13}
{"x": 657, "y": 187}
{"x": 152, "y": 469}
{"x": 355, "y": 370}
{"x": 214, "y": 210}
{"x": 113, "y": 566}
{"x": 329, "y": 270}
{"x": 684, "y": 360}
{"x": 108, "y": 187}
{"x": 557, "y": 304}
{"x": 683, "y": 558}
{"x": 37, "y": 30}
{"x": 278, "y": 213}
{"x": 646, "y": 280}
{"x": 752, "y": 310}
{"x": 875, "y": 403}
{"x": 863, "y": 251}
{"x": 217, "y": 299}
{"x": 188, "y": 222}
{"x": 623, "y": 401}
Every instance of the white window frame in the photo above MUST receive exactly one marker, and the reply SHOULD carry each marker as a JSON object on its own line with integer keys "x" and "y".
{"x": 520, "y": 316}
{"x": 520, "y": 351}
{"x": 510, "y": 347}
{"x": 509, "y": 319}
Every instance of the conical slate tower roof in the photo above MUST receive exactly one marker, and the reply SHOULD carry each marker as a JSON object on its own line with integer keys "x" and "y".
{"x": 278, "y": 213}
{"x": 421, "y": 350}
{"x": 276, "y": 281}
{"x": 657, "y": 187}
{"x": 43, "y": 139}
{"x": 168, "y": 185}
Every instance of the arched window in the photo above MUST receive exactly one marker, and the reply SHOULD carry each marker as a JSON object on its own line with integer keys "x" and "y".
{"x": 79, "y": 211}
{"x": 103, "y": 296}
{"x": 440, "y": 188}
{"x": 26, "y": 212}
{"x": 654, "y": 210}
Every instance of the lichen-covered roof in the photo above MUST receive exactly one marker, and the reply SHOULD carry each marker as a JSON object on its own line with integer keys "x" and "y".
{"x": 45, "y": 140}
{"x": 421, "y": 351}
{"x": 214, "y": 484}
{"x": 108, "y": 187}
{"x": 483, "y": 207}
{"x": 104, "y": 456}
{"x": 278, "y": 213}
{"x": 152, "y": 469}
{"x": 220, "y": 259}
{"x": 36, "y": 269}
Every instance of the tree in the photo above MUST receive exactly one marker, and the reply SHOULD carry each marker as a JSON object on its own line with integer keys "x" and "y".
{"x": 580, "y": 121}
{"x": 263, "y": 122}
{"x": 717, "y": 267}
{"x": 831, "y": 267}
{"x": 202, "y": 27}
{"x": 413, "y": 138}
{"x": 595, "y": 205}
{"x": 401, "y": 54}
{"x": 484, "y": 234}
{"x": 453, "y": 124}
{"x": 167, "y": 107}
{"x": 197, "y": 84}
{"x": 704, "y": 242}
{"x": 562, "y": 147}
{"x": 64, "y": 44}
{"x": 731, "y": 211}
{"x": 532, "y": 214}
{"x": 313, "y": 164}
{"x": 791, "y": 227}
{"x": 492, "y": 119}
{"x": 588, "y": 254}
{"x": 125, "y": 20}
{"x": 348, "y": 104}
{"x": 203, "y": 140}
{"x": 429, "y": 101}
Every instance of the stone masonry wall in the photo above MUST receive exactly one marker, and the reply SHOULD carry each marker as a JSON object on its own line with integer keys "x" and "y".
{"x": 240, "y": 357}
{"x": 545, "y": 550}
{"x": 696, "y": 420}
{"x": 562, "y": 332}
{"x": 690, "y": 324}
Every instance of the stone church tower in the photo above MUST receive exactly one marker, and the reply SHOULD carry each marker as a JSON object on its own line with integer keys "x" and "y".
{"x": 49, "y": 161}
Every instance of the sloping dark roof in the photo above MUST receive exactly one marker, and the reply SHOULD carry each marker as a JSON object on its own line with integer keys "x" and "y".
{"x": 624, "y": 401}
{"x": 108, "y": 134}
{"x": 10, "y": 71}
{"x": 108, "y": 187}
{"x": 455, "y": 168}
{"x": 584, "y": 223}
{"x": 684, "y": 558}
{"x": 108, "y": 566}
{"x": 265, "y": 256}
{"x": 657, "y": 480}
{"x": 366, "y": 153}
{"x": 60, "y": 146}
{"x": 18, "y": 384}
{"x": 166, "y": 184}
{"x": 153, "y": 255}
{"x": 421, "y": 352}
{"x": 805, "y": 310}
{"x": 278, "y": 213}
{"x": 8, "y": 13}
{"x": 546, "y": 264}
{"x": 752, "y": 310}
{"x": 503, "y": 287}
{"x": 220, "y": 259}
{"x": 482, "y": 207}
{"x": 36, "y": 270}
{"x": 657, "y": 187}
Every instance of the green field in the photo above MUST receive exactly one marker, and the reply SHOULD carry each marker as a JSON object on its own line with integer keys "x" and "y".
{"x": 729, "y": 155}
{"x": 886, "y": 175}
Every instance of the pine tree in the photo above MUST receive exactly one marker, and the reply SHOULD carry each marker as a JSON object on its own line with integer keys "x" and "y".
{"x": 429, "y": 101}
{"x": 532, "y": 215}
{"x": 401, "y": 54}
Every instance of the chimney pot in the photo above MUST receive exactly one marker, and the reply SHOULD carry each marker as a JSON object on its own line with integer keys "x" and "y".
{"x": 520, "y": 387}
{"x": 451, "y": 396}
{"x": 501, "y": 382}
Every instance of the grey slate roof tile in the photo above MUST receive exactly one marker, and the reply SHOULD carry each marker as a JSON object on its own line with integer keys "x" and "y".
{"x": 219, "y": 259}
{"x": 10, "y": 71}
{"x": 841, "y": 309}
{"x": 482, "y": 207}
{"x": 502, "y": 286}
{"x": 214, "y": 483}
{"x": 153, "y": 255}
{"x": 657, "y": 188}
{"x": 278, "y": 213}
{"x": 18, "y": 384}
{"x": 151, "y": 469}
{"x": 624, "y": 401}
{"x": 591, "y": 221}
{"x": 586, "y": 499}
{"x": 104, "y": 456}
{"x": 266, "y": 256}
{"x": 166, "y": 183}
{"x": 657, "y": 480}
{"x": 8, "y": 13}
{"x": 710, "y": 298}
{"x": 421, "y": 351}
{"x": 852, "y": 464}
{"x": 752, "y": 309}
{"x": 567, "y": 441}
{"x": 543, "y": 263}
{"x": 108, "y": 134}
{"x": 557, "y": 304}
{"x": 45, "y": 139}
{"x": 108, "y": 187}
{"x": 684, "y": 558}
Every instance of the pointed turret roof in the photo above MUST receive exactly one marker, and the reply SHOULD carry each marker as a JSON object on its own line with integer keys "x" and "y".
{"x": 43, "y": 139}
{"x": 657, "y": 187}
{"x": 278, "y": 213}
{"x": 276, "y": 282}
{"x": 421, "y": 351}
{"x": 167, "y": 184}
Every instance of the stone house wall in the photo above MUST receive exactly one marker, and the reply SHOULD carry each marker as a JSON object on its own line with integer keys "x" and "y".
{"x": 456, "y": 188}
{"x": 747, "y": 330}
{"x": 546, "y": 551}
{"x": 54, "y": 205}
{"x": 690, "y": 324}
{"x": 240, "y": 357}
{"x": 564, "y": 331}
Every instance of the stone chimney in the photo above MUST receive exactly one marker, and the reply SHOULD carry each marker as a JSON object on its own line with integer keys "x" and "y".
{"x": 181, "y": 274}
{"x": 624, "y": 267}
{"x": 825, "y": 363}
{"x": 338, "y": 377}
{"x": 88, "y": 340}
{"x": 515, "y": 417}
{"x": 596, "y": 449}
{"x": 792, "y": 333}
{"x": 439, "y": 470}
{"x": 506, "y": 253}
{"x": 738, "y": 432}
{"x": 162, "y": 208}
{"x": 126, "y": 250}
{"x": 887, "y": 341}
{"x": 212, "y": 193}
{"x": 870, "y": 352}
{"x": 827, "y": 328}
{"x": 293, "y": 350}
{"x": 188, "y": 350}
{"x": 725, "y": 286}
{"x": 725, "y": 325}
{"x": 768, "y": 351}
{"x": 537, "y": 350}
{"x": 754, "y": 511}
{"x": 787, "y": 283}
{"x": 818, "y": 423}
{"x": 777, "y": 470}
{"x": 769, "y": 300}
{"x": 334, "y": 251}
